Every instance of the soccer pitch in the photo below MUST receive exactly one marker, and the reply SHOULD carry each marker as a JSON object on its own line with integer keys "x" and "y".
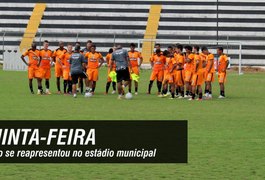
{"x": 226, "y": 137}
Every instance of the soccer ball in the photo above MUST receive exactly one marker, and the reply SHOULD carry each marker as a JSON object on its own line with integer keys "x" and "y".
{"x": 88, "y": 95}
{"x": 129, "y": 96}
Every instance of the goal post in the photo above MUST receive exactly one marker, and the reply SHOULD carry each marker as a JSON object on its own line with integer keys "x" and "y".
{"x": 232, "y": 48}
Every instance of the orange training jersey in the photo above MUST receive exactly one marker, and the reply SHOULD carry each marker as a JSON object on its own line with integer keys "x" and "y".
{"x": 33, "y": 57}
{"x": 159, "y": 62}
{"x": 203, "y": 56}
{"x": 134, "y": 56}
{"x": 65, "y": 58}
{"x": 210, "y": 60}
{"x": 190, "y": 65}
{"x": 46, "y": 57}
{"x": 198, "y": 57}
{"x": 222, "y": 63}
{"x": 109, "y": 61}
{"x": 93, "y": 59}
{"x": 170, "y": 62}
{"x": 57, "y": 53}
{"x": 180, "y": 60}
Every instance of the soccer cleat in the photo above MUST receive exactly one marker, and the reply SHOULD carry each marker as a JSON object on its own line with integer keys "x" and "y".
{"x": 113, "y": 92}
{"x": 40, "y": 92}
{"x": 74, "y": 96}
{"x": 199, "y": 99}
{"x": 221, "y": 97}
{"x": 180, "y": 97}
{"x": 59, "y": 92}
{"x": 48, "y": 92}
{"x": 105, "y": 93}
{"x": 171, "y": 98}
{"x": 168, "y": 93}
{"x": 120, "y": 97}
{"x": 160, "y": 96}
{"x": 190, "y": 99}
{"x": 148, "y": 93}
{"x": 209, "y": 97}
{"x": 177, "y": 95}
{"x": 136, "y": 93}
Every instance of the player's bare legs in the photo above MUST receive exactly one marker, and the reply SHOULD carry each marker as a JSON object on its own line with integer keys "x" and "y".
{"x": 173, "y": 88}
{"x": 222, "y": 89}
{"x": 208, "y": 89}
{"x": 188, "y": 88}
{"x": 58, "y": 83}
{"x": 159, "y": 87}
{"x": 200, "y": 92}
{"x": 94, "y": 85}
{"x": 150, "y": 87}
{"x": 31, "y": 86}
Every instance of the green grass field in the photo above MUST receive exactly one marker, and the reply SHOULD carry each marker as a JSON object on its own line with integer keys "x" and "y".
{"x": 226, "y": 137}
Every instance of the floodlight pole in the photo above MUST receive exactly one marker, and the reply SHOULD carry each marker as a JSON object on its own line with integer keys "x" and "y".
{"x": 217, "y": 21}
{"x": 40, "y": 39}
{"x": 4, "y": 34}
{"x": 240, "y": 60}
{"x": 139, "y": 44}
{"x": 114, "y": 39}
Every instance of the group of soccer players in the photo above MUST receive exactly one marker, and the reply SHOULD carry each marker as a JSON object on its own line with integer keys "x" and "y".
{"x": 176, "y": 70}
{"x": 173, "y": 69}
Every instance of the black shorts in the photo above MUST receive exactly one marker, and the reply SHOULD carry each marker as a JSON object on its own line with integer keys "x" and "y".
{"x": 75, "y": 77}
{"x": 123, "y": 75}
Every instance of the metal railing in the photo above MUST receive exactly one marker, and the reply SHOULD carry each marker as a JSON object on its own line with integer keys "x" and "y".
{"x": 41, "y": 36}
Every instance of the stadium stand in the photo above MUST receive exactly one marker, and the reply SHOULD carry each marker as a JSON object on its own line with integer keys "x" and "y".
{"x": 107, "y": 22}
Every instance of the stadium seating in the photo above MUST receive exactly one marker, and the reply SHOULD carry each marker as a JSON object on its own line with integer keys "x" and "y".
{"x": 109, "y": 22}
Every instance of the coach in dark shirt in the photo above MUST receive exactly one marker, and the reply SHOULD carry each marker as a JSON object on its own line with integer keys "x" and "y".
{"x": 78, "y": 64}
{"x": 121, "y": 59}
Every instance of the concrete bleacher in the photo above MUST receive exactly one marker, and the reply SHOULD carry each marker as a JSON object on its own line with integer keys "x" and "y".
{"x": 123, "y": 22}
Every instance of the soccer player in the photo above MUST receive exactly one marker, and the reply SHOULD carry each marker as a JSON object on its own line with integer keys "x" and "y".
{"x": 58, "y": 65}
{"x": 134, "y": 57}
{"x": 88, "y": 47}
{"x": 198, "y": 74}
{"x": 204, "y": 58}
{"x": 157, "y": 63}
{"x": 65, "y": 61}
{"x": 80, "y": 81}
{"x": 189, "y": 59}
{"x": 158, "y": 47}
{"x": 180, "y": 69}
{"x": 222, "y": 67}
{"x": 170, "y": 49}
{"x": 95, "y": 61}
{"x": 209, "y": 72}
{"x": 84, "y": 51}
{"x": 46, "y": 58}
{"x": 78, "y": 65}
{"x": 121, "y": 58}
{"x": 109, "y": 61}
{"x": 33, "y": 65}
{"x": 169, "y": 74}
